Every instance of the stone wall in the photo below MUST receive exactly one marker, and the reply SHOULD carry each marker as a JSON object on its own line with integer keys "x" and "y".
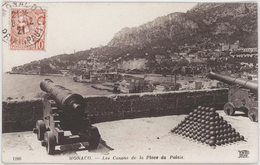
{"x": 21, "y": 115}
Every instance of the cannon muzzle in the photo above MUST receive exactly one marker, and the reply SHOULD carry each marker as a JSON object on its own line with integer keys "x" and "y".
{"x": 249, "y": 84}
{"x": 64, "y": 97}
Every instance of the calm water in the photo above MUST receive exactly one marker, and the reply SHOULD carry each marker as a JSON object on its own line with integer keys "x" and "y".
{"x": 28, "y": 86}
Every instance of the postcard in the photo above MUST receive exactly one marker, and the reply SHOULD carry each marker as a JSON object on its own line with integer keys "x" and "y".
{"x": 129, "y": 82}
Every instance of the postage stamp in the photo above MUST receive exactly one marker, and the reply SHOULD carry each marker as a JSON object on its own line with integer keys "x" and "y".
{"x": 27, "y": 29}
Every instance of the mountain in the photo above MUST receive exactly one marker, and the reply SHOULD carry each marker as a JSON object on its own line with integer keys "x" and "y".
{"x": 205, "y": 26}
{"x": 206, "y": 22}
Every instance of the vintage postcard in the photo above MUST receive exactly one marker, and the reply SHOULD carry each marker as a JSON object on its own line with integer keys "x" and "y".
{"x": 130, "y": 82}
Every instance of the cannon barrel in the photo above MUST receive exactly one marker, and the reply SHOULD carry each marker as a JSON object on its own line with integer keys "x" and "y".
{"x": 64, "y": 97}
{"x": 253, "y": 86}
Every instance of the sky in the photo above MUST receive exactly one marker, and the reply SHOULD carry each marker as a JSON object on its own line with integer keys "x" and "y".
{"x": 79, "y": 26}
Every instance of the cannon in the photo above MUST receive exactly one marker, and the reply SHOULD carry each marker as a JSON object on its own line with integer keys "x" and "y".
{"x": 242, "y": 95}
{"x": 64, "y": 120}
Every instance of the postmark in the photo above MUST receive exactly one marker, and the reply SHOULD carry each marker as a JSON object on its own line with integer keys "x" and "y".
{"x": 27, "y": 29}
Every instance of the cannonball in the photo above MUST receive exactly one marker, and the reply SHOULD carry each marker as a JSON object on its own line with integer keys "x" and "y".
{"x": 220, "y": 121}
{"x": 234, "y": 139}
{"x": 207, "y": 113}
{"x": 207, "y": 131}
{"x": 220, "y": 126}
{"x": 187, "y": 121}
{"x": 207, "y": 118}
{"x": 203, "y": 113}
{"x": 179, "y": 132}
{"x": 198, "y": 112}
{"x": 216, "y": 123}
{"x": 199, "y": 138}
{"x": 242, "y": 137}
{"x": 221, "y": 136}
{"x": 212, "y": 123}
{"x": 207, "y": 136}
{"x": 221, "y": 132}
{"x": 195, "y": 110}
{"x": 187, "y": 134}
{"x": 203, "y": 134}
{"x": 237, "y": 134}
{"x": 207, "y": 127}
{"x": 203, "y": 140}
{"x": 217, "y": 132}
{"x": 195, "y": 119}
{"x": 195, "y": 114}
{"x": 212, "y": 132}
{"x": 207, "y": 141}
{"x": 202, "y": 108}
{"x": 225, "y": 140}
{"x": 199, "y": 107}
{"x": 212, "y": 109}
{"x": 229, "y": 135}
{"x": 216, "y": 127}
{"x": 211, "y": 119}
{"x": 217, "y": 137}
{"x": 222, "y": 141}
{"x": 199, "y": 120}
{"x": 225, "y": 130}
{"x": 191, "y": 113}
{"x": 233, "y": 129}
{"x": 211, "y": 128}
{"x": 221, "y": 118}
{"x": 207, "y": 109}
{"x": 203, "y": 117}
{"x": 194, "y": 137}
{"x": 183, "y": 133}
{"x": 211, "y": 143}
{"x": 191, "y": 135}
{"x": 199, "y": 129}
{"x": 218, "y": 142}
{"x": 237, "y": 138}
{"x": 233, "y": 134}
{"x": 202, "y": 121}
{"x": 224, "y": 122}
{"x": 213, "y": 138}
{"x": 207, "y": 122}
{"x": 229, "y": 130}
{"x": 216, "y": 117}
{"x": 203, "y": 130}
{"x": 228, "y": 125}
{"x": 230, "y": 140}
{"x": 212, "y": 114}
{"x": 225, "y": 136}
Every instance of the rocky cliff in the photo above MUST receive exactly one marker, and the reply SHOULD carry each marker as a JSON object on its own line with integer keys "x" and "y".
{"x": 206, "y": 22}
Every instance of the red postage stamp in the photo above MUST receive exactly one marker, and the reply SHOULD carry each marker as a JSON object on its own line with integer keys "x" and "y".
{"x": 27, "y": 29}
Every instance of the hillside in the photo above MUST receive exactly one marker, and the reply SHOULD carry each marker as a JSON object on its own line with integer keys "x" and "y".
{"x": 206, "y": 22}
{"x": 205, "y": 26}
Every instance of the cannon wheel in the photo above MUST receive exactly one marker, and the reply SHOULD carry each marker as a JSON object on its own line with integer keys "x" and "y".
{"x": 41, "y": 129}
{"x": 229, "y": 109}
{"x": 94, "y": 138}
{"x": 245, "y": 110}
{"x": 253, "y": 114}
{"x": 50, "y": 142}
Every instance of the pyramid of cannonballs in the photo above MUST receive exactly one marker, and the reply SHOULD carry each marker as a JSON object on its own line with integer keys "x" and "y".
{"x": 205, "y": 125}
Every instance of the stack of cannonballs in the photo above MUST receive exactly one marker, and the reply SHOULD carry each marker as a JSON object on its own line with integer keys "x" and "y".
{"x": 205, "y": 125}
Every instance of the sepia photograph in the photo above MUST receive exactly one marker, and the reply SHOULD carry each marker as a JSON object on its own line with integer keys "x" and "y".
{"x": 132, "y": 82}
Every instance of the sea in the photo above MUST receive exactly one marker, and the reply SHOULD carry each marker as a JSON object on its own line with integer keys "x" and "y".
{"x": 16, "y": 86}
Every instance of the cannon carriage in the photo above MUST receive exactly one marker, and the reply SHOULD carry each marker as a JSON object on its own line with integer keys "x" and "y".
{"x": 63, "y": 111}
{"x": 242, "y": 95}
